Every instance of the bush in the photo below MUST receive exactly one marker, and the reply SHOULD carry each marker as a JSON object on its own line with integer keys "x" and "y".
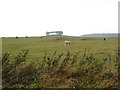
{"x": 63, "y": 71}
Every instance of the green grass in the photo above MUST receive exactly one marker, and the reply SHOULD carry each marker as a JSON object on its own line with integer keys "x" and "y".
{"x": 38, "y": 46}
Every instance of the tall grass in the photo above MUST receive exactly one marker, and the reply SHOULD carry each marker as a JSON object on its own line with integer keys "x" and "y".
{"x": 61, "y": 71}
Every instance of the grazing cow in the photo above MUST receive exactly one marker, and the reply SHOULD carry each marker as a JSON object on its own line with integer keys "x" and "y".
{"x": 104, "y": 39}
{"x": 67, "y": 43}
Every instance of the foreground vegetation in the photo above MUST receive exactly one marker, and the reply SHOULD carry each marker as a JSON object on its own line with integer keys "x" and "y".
{"x": 62, "y": 71}
{"x": 47, "y": 63}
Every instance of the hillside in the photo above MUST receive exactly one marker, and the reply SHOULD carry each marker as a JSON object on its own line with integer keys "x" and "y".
{"x": 107, "y": 35}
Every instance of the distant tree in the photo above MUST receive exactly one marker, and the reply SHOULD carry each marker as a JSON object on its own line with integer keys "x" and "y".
{"x": 16, "y": 36}
{"x": 57, "y": 33}
{"x": 47, "y": 33}
{"x": 26, "y": 36}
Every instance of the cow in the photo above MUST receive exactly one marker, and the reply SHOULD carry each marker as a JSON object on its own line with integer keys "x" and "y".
{"x": 104, "y": 39}
{"x": 67, "y": 43}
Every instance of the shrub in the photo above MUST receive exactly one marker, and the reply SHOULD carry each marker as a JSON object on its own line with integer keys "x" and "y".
{"x": 64, "y": 70}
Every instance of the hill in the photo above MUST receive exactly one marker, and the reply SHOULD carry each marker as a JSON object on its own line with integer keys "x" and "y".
{"x": 107, "y": 35}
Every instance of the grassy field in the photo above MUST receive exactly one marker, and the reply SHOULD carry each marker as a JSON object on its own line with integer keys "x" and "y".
{"x": 44, "y": 51}
{"x": 38, "y": 46}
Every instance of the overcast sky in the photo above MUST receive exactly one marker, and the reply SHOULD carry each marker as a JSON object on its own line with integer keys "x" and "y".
{"x": 73, "y": 17}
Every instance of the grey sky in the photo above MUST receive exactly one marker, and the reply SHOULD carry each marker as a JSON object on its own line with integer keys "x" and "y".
{"x": 73, "y": 17}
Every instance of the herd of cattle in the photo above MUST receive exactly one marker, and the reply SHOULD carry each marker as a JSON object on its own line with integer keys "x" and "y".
{"x": 67, "y": 43}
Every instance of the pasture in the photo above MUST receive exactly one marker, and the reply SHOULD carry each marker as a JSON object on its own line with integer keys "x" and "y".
{"x": 85, "y": 63}
{"x": 38, "y": 46}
